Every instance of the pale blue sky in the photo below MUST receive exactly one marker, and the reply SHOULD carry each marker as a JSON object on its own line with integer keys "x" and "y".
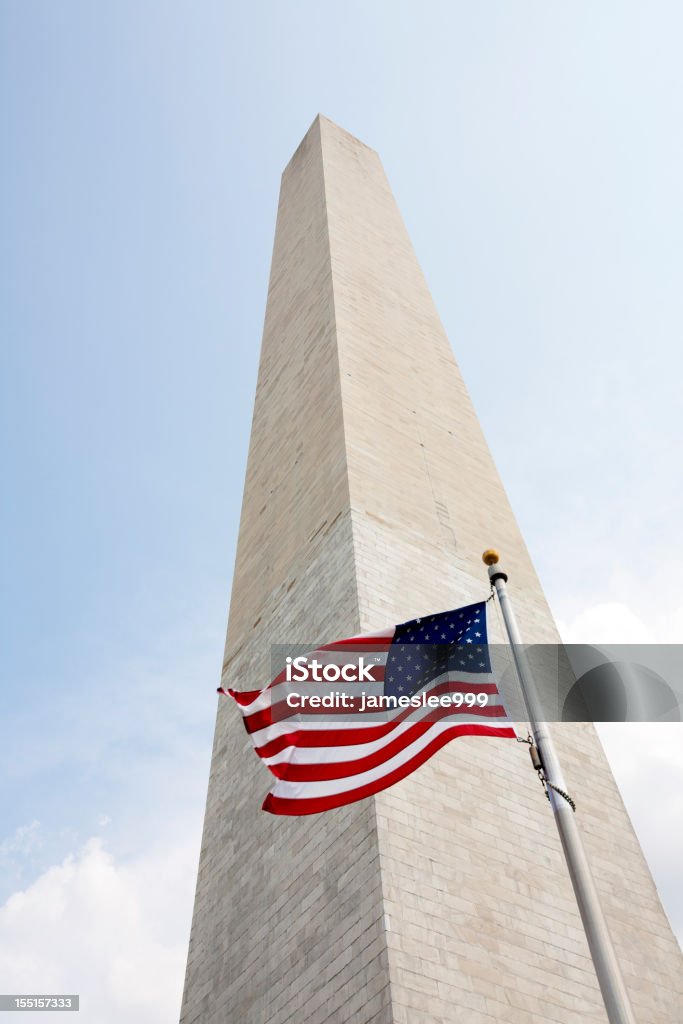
{"x": 536, "y": 154}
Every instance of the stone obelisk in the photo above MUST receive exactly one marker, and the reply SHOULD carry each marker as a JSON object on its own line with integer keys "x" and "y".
{"x": 370, "y": 494}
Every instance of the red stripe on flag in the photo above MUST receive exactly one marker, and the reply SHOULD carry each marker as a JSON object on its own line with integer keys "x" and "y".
{"x": 314, "y": 805}
{"x": 292, "y": 772}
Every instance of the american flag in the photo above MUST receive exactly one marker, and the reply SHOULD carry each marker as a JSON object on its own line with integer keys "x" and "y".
{"x": 326, "y": 758}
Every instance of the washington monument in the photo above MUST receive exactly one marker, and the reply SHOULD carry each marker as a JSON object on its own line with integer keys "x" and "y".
{"x": 370, "y": 494}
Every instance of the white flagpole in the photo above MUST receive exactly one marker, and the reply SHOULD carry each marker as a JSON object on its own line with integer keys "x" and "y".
{"x": 614, "y": 994}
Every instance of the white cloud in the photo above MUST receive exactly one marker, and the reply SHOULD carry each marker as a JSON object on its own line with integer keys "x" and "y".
{"x": 646, "y": 758}
{"x": 115, "y": 933}
{"x": 647, "y": 762}
{"x": 110, "y": 921}
{"x": 24, "y": 840}
{"x": 607, "y": 623}
{"x": 18, "y": 852}
{"x": 613, "y": 622}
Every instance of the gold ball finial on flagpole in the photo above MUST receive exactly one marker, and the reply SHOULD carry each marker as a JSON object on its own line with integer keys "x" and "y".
{"x": 490, "y": 557}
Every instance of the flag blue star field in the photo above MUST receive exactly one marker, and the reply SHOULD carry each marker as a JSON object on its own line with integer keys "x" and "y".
{"x": 424, "y": 649}
{"x": 414, "y": 688}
